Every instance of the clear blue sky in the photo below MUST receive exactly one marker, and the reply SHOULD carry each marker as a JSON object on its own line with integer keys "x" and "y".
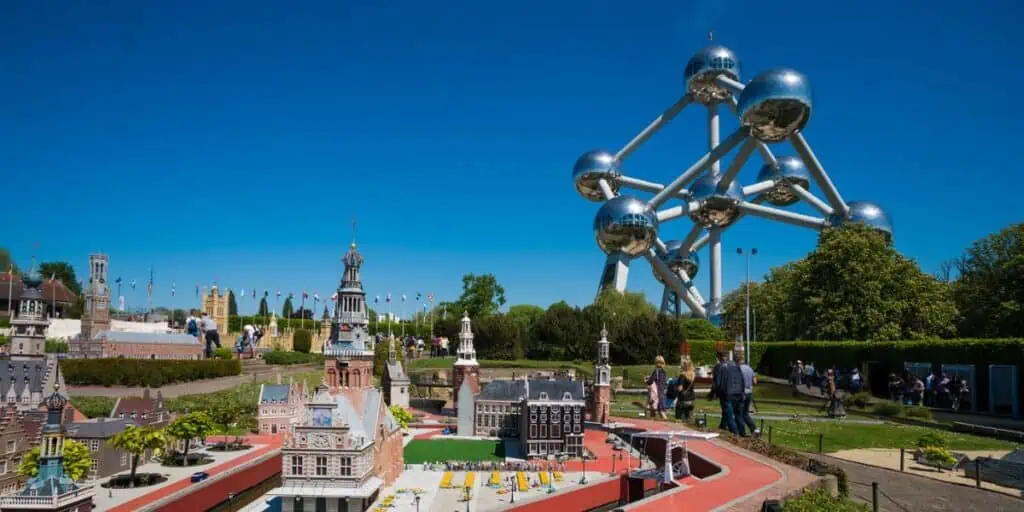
{"x": 234, "y": 140}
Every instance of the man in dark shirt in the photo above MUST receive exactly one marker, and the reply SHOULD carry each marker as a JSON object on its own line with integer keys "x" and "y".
{"x": 728, "y": 387}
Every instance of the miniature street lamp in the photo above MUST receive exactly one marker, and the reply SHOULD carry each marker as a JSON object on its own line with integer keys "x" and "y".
{"x": 417, "y": 503}
{"x": 512, "y": 485}
{"x": 583, "y": 479}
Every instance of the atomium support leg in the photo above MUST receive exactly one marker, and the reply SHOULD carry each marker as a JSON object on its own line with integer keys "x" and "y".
{"x": 615, "y": 274}
{"x": 674, "y": 282}
{"x": 715, "y": 273}
{"x": 812, "y": 200}
{"x": 737, "y": 163}
{"x": 653, "y": 128}
{"x": 690, "y": 174}
{"x": 818, "y": 173}
{"x": 647, "y": 186}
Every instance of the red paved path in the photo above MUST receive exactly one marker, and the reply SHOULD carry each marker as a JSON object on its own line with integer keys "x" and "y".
{"x": 271, "y": 443}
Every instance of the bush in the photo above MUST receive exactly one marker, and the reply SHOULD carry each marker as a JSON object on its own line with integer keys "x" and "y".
{"x": 918, "y": 413}
{"x": 94, "y": 406}
{"x": 888, "y": 409}
{"x": 5, "y": 322}
{"x": 223, "y": 353}
{"x": 938, "y": 457}
{"x": 861, "y": 400}
{"x": 56, "y": 347}
{"x": 302, "y": 341}
{"x": 931, "y": 439}
{"x": 819, "y": 500}
{"x": 285, "y": 358}
{"x": 144, "y": 372}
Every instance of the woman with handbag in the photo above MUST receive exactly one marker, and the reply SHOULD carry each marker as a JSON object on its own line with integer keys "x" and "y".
{"x": 685, "y": 394}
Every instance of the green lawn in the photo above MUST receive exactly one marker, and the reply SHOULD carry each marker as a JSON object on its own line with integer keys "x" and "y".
{"x": 436, "y": 450}
{"x": 803, "y": 435}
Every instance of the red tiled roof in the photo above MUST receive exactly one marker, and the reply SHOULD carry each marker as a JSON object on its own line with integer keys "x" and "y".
{"x": 50, "y": 287}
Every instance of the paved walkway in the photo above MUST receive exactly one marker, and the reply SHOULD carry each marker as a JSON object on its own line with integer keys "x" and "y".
{"x": 903, "y": 492}
{"x": 189, "y": 388}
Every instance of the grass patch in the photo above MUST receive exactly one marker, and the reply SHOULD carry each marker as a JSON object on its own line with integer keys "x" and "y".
{"x": 803, "y": 435}
{"x": 288, "y": 358}
{"x": 420, "y": 451}
{"x": 94, "y": 406}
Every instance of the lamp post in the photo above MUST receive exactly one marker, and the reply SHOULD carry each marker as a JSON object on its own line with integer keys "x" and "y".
{"x": 512, "y": 485}
{"x": 583, "y": 479}
{"x": 231, "y": 501}
{"x": 751, "y": 252}
{"x": 417, "y": 503}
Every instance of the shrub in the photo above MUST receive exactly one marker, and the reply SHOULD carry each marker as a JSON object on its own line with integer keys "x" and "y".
{"x": 285, "y": 358}
{"x": 920, "y": 413}
{"x": 887, "y": 409}
{"x": 56, "y": 347}
{"x": 223, "y": 353}
{"x": 861, "y": 400}
{"x": 5, "y": 322}
{"x": 938, "y": 456}
{"x": 931, "y": 439}
{"x": 144, "y": 372}
{"x": 819, "y": 500}
{"x": 302, "y": 341}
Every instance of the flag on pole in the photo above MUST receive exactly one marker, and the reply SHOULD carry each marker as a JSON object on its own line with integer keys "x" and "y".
{"x": 334, "y": 297}
{"x": 403, "y": 297}
{"x": 254, "y": 293}
{"x": 376, "y": 299}
{"x": 418, "y": 296}
{"x": 133, "y": 284}
{"x": 243, "y": 294}
{"x": 430, "y": 297}
{"x": 197, "y": 287}
{"x": 388, "y": 299}
{"x": 279, "y": 293}
{"x": 266, "y": 292}
{"x": 304, "y": 295}
{"x": 172, "y": 289}
{"x": 150, "y": 286}
{"x": 316, "y": 296}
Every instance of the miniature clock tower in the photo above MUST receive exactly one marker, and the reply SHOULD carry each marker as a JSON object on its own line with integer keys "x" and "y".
{"x": 466, "y": 366}
{"x": 602, "y": 381}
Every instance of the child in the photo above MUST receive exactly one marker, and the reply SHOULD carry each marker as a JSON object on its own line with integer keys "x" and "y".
{"x": 652, "y": 397}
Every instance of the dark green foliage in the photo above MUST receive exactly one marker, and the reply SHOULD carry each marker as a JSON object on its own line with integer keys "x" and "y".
{"x": 819, "y": 500}
{"x": 56, "y": 347}
{"x": 264, "y": 310}
{"x": 481, "y": 295}
{"x": 5, "y": 322}
{"x": 918, "y": 413}
{"x": 64, "y": 272}
{"x": 287, "y": 358}
{"x": 287, "y": 309}
{"x": 223, "y": 353}
{"x": 989, "y": 290}
{"x": 143, "y": 372}
{"x": 232, "y": 304}
{"x": 381, "y": 353}
{"x": 302, "y": 341}
{"x": 701, "y": 329}
{"x": 887, "y": 409}
{"x": 7, "y": 262}
{"x": 94, "y": 406}
{"x": 861, "y": 400}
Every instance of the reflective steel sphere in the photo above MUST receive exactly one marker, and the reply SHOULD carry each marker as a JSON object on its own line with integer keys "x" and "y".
{"x": 590, "y": 168}
{"x": 625, "y": 224}
{"x": 775, "y": 104}
{"x": 791, "y": 171}
{"x": 676, "y": 260}
{"x": 867, "y": 213}
{"x": 717, "y": 209}
{"x": 702, "y": 69}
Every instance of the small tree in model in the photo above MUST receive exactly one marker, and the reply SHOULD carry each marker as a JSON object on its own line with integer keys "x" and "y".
{"x": 136, "y": 441}
{"x": 196, "y": 425}
{"x": 77, "y": 461}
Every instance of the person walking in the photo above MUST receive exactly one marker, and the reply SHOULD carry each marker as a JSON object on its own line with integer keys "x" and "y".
{"x": 685, "y": 394}
{"x": 749, "y": 379}
{"x": 728, "y": 387}
{"x": 192, "y": 324}
{"x": 209, "y": 330}
{"x": 660, "y": 378}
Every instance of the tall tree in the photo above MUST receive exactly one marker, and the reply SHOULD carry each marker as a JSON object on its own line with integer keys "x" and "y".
{"x": 136, "y": 441}
{"x": 196, "y": 425}
{"x": 623, "y": 306}
{"x": 232, "y": 305}
{"x": 481, "y": 295}
{"x": 989, "y": 290}
{"x": 77, "y": 461}
{"x": 287, "y": 309}
{"x": 63, "y": 272}
{"x": 264, "y": 310}
{"x": 6, "y": 261}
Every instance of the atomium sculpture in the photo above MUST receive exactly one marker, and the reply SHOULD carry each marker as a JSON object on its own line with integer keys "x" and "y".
{"x": 773, "y": 107}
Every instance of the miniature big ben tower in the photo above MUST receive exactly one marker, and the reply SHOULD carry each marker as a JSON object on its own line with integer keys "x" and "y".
{"x": 602, "y": 381}
{"x": 466, "y": 366}
{"x": 97, "y": 298}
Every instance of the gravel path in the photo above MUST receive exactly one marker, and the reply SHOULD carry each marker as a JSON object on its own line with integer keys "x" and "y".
{"x": 902, "y": 492}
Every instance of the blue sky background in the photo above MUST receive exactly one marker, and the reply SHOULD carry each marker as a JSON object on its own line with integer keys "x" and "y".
{"x": 234, "y": 140}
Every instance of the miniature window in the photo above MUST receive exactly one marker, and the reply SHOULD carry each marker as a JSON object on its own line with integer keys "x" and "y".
{"x": 321, "y": 466}
{"x": 543, "y": 395}
{"x": 346, "y": 466}
{"x": 566, "y": 396}
{"x": 296, "y": 464}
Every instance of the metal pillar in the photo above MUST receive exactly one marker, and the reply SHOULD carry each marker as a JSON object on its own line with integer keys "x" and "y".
{"x": 715, "y": 246}
{"x": 713, "y": 135}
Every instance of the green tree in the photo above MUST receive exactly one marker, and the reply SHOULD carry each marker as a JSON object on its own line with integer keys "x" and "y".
{"x": 196, "y": 425}
{"x": 136, "y": 441}
{"x": 481, "y": 295}
{"x": 77, "y": 461}
{"x": 380, "y": 355}
{"x": 612, "y": 304}
{"x": 989, "y": 290}
{"x": 7, "y": 262}
{"x": 287, "y": 309}
{"x": 496, "y": 337}
{"x": 232, "y": 304}
{"x": 700, "y": 329}
{"x": 401, "y": 415}
{"x": 64, "y": 272}
{"x": 264, "y": 310}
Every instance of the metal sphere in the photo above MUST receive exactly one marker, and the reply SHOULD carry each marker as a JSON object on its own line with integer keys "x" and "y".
{"x": 716, "y": 209}
{"x": 625, "y": 224}
{"x": 791, "y": 171}
{"x": 676, "y": 260}
{"x": 589, "y": 170}
{"x": 776, "y": 104}
{"x": 702, "y": 69}
{"x": 867, "y": 213}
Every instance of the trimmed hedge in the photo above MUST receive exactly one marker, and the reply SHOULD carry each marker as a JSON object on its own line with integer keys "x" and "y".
{"x": 144, "y": 372}
{"x": 286, "y": 358}
{"x": 302, "y": 341}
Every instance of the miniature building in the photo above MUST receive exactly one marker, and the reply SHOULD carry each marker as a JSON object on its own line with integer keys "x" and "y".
{"x": 395, "y": 382}
{"x": 546, "y": 416}
{"x": 498, "y": 408}
{"x": 136, "y": 345}
{"x": 57, "y": 298}
{"x": 51, "y": 489}
{"x": 24, "y": 383}
{"x": 466, "y": 367}
{"x": 144, "y": 412}
{"x": 15, "y": 443}
{"x": 95, "y": 435}
{"x": 28, "y": 327}
{"x": 351, "y": 318}
{"x": 278, "y": 405}
{"x": 215, "y": 304}
{"x": 602, "y": 394}
{"x": 96, "y": 315}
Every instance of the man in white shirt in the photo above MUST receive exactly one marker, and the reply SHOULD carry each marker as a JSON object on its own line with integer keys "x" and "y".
{"x": 209, "y": 329}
